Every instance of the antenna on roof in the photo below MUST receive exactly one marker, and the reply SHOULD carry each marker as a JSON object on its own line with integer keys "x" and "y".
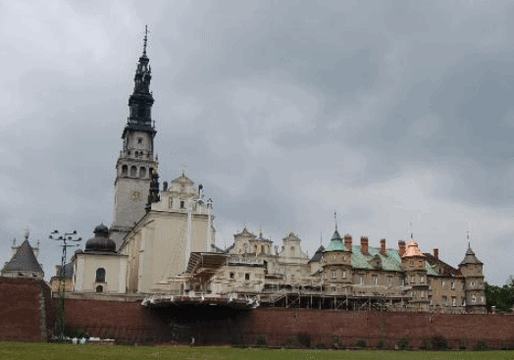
{"x": 411, "y": 234}
{"x": 467, "y": 236}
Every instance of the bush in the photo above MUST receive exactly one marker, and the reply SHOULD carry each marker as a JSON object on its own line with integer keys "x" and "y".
{"x": 403, "y": 343}
{"x": 381, "y": 344}
{"x": 304, "y": 339}
{"x": 481, "y": 345}
{"x": 361, "y": 344}
{"x": 462, "y": 345}
{"x": 262, "y": 340}
{"x": 438, "y": 343}
{"x": 338, "y": 344}
{"x": 292, "y": 341}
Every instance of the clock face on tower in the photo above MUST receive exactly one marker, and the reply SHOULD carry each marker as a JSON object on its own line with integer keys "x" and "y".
{"x": 136, "y": 195}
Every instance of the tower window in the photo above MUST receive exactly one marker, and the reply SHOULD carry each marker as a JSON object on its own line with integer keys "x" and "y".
{"x": 182, "y": 204}
{"x": 139, "y": 140}
{"x": 247, "y": 276}
{"x": 142, "y": 172}
{"x": 133, "y": 171}
{"x": 100, "y": 275}
{"x": 124, "y": 170}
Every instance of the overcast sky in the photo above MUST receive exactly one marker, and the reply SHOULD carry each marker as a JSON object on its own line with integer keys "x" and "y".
{"x": 285, "y": 111}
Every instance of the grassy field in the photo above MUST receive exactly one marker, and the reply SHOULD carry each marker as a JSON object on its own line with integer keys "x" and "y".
{"x": 17, "y": 351}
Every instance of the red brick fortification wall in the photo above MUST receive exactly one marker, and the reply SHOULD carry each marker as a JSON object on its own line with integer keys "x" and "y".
{"x": 282, "y": 326}
{"x": 25, "y": 311}
{"x": 130, "y": 322}
{"x": 127, "y": 321}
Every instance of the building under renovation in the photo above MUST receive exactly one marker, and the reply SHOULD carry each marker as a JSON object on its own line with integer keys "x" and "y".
{"x": 161, "y": 247}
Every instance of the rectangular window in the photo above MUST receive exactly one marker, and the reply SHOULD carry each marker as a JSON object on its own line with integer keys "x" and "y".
{"x": 182, "y": 204}
{"x": 334, "y": 274}
{"x": 445, "y": 301}
{"x": 344, "y": 274}
{"x": 361, "y": 279}
{"x": 247, "y": 276}
{"x": 232, "y": 275}
{"x": 390, "y": 281}
{"x": 454, "y": 301}
{"x": 170, "y": 203}
{"x": 430, "y": 300}
{"x": 443, "y": 284}
{"x": 375, "y": 280}
{"x": 422, "y": 294}
{"x": 422, "y": 279}
{"x": 453, "y": 285}
{"x": 412, "y": 279}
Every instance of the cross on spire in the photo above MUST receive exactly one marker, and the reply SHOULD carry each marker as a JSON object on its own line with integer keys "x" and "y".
{"x": 335, "y": 218}
{"x": 145, "y": 40}
{"x": 183, "y": 166}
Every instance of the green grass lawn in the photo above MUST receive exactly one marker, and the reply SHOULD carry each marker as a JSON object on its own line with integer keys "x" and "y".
{"x": 66, "y": 352}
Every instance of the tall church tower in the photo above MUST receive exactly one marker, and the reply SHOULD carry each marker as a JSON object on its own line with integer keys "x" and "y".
{"x": 137, "y": 160}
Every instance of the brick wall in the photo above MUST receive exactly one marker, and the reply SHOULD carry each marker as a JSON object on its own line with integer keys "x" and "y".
{"x": 131, "y": 322}
{"x": 23, "y": 310}
{"x": 26, "y": 310}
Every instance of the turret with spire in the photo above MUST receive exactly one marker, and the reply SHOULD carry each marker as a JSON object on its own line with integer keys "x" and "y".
{"x": 474, "y": 287}
{"x": 337, "y": 263}
{"x": 137, "y": 161}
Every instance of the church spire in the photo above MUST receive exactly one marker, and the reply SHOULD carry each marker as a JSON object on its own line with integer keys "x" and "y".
{"x": 141, "y": 100}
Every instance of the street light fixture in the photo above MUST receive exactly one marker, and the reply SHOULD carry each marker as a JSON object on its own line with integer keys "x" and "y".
{"x": 64, "y": 239}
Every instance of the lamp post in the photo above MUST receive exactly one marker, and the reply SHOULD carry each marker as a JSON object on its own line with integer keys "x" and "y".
{"x": 64, "y": 239}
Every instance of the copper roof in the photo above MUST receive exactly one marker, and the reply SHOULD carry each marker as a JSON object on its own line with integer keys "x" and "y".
{"x": 412, "y": 250}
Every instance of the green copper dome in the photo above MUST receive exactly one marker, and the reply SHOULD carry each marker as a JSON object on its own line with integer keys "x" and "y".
{"x": 336, "y": 244}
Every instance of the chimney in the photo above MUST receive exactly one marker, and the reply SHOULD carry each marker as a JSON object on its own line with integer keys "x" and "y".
{"x": 364, "y": 245}
{"x": 401, "y": 247}
{"x": 383, "y": 250}
{"x": 436, "y": 253}
{"x": 348, "y": 241}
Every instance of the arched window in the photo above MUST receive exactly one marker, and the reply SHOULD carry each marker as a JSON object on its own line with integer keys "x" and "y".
{"x": 124, "y": 170}
{"x": 133, "y": 171}
{"x": 262, "y": 249}
{"x": 142, "y": 172}
{"x": 100, "y": 275}
{"x": 99, "y": 289}
{"x": 255, "y": 247}
{"x": 292, "y": 249}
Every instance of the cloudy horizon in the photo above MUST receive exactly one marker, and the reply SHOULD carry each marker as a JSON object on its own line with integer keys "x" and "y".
{"x": 389, "y": 114}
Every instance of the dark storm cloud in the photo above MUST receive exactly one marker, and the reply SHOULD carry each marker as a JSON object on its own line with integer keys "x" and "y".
{"x": 285, "y": 111}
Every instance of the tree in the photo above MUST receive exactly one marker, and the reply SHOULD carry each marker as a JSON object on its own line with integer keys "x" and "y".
{"x": 500, "y": 297}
